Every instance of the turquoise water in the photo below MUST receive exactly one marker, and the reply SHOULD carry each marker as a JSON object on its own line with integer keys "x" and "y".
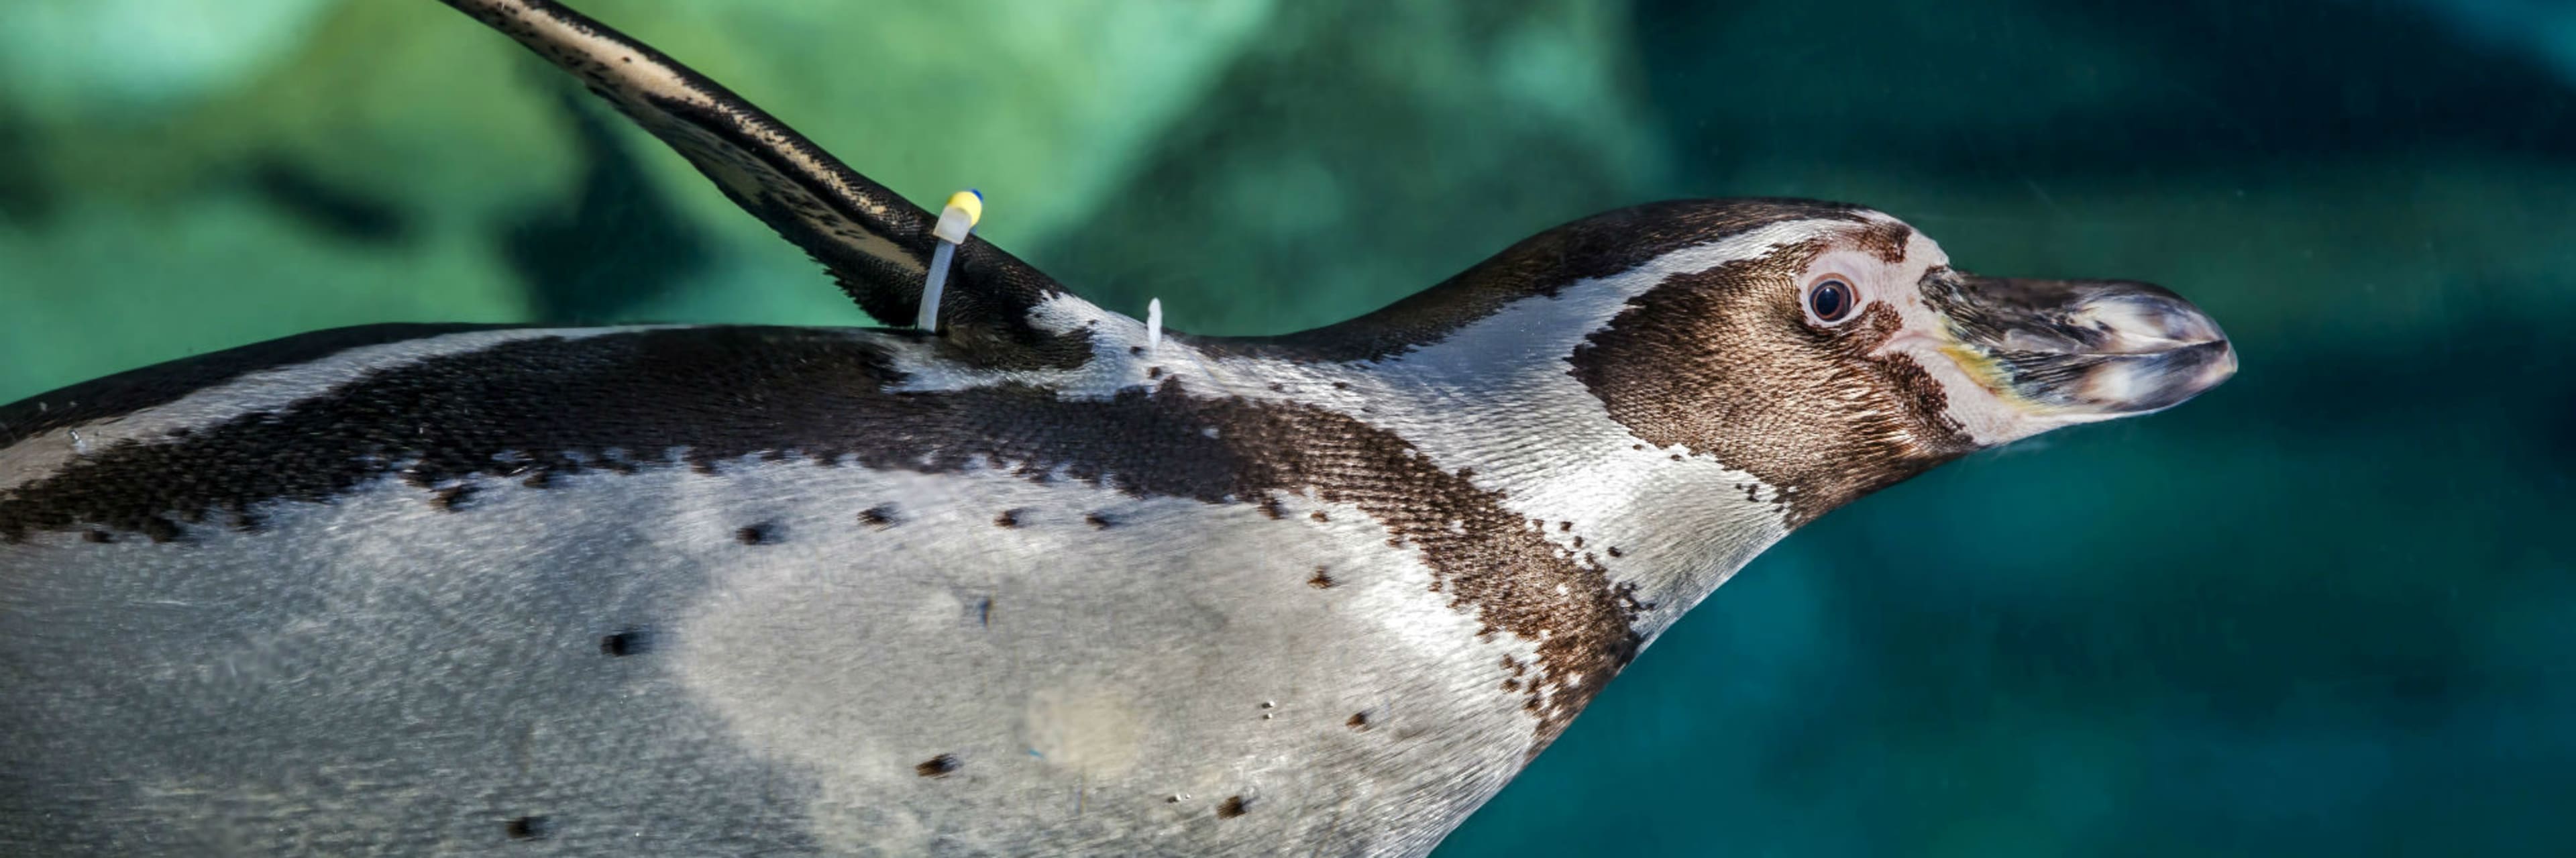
{"x": 2326, "y": 609}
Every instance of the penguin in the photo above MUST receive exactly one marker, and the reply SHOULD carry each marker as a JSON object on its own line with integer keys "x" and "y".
{"x": 1042, "y": 579}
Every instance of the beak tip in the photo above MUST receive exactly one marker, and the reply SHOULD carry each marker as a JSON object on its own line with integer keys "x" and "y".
{"x": 2182, "y": 343}
{"x": 2083, "y": 350}
{"x": 2214, "y": 371}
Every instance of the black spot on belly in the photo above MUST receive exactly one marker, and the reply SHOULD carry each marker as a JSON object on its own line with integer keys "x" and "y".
{"x": 1098, "y": 521}
{"x": 939, "y": 766}
{"x": 158, "y": 529}
{"x": 1008, "y": 518}
{"x": 451, "y": 497}
{"x": 1319, "y": 515}
{"x": 879, "y": 516}
{"x": 626, "y": 642}
{"x": 1234, "y": 806}
{"x": 756, "y": 534}
{"x": 1323, "y": 580}
{"x": 1359, "y": 721}
{"x": 528, "y": 828}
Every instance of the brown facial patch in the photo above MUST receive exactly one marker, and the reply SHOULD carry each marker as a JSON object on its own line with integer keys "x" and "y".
{"x": 1886, "y": 241}
{"x": 1724, "y": 363}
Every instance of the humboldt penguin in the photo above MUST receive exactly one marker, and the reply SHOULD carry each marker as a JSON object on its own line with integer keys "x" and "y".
{"x": 1043, "y": 580}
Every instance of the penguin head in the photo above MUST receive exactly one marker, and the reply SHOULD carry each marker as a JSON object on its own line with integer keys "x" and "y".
{"x": 1831, "y": 350}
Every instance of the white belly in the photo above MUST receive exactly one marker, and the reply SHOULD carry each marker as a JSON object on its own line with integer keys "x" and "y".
{"x": 378, "y": 674}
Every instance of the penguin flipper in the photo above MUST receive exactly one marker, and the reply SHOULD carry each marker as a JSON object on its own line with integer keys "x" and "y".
{"x": 875, "y": 243}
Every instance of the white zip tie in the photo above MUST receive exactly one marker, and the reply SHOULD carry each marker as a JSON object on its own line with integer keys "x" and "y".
{"x": 955, "y": 223}
{"x": 1153, "y": 325}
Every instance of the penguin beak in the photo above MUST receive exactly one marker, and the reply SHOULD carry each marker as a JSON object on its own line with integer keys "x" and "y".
{"x": 2073, "y": 351}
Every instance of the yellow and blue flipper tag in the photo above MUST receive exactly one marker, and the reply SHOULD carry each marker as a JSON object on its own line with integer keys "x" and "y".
{"x": 956, "y": 221}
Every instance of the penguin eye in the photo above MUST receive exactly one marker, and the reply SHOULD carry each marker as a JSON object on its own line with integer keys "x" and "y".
{"x": 1831, "y": 299}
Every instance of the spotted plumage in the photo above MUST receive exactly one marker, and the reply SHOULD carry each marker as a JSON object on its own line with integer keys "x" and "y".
{"x": 1034, "y": 583}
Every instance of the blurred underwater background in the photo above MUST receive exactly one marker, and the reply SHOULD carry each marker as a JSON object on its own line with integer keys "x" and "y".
{"x": 2326, "y": 609}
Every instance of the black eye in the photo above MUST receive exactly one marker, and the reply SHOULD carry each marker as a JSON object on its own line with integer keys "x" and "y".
{"x": 1830, "y": 300}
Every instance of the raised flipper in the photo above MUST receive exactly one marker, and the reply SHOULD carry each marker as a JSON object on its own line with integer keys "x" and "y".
{"x": 877, "y": 244}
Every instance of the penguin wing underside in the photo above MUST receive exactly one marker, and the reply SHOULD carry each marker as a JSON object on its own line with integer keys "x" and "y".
{"x": 877, "y": 244}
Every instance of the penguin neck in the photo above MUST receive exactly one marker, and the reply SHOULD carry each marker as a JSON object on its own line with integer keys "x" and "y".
{"x": 1495, "y": 398}
{"x": 1672, "y": 523}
